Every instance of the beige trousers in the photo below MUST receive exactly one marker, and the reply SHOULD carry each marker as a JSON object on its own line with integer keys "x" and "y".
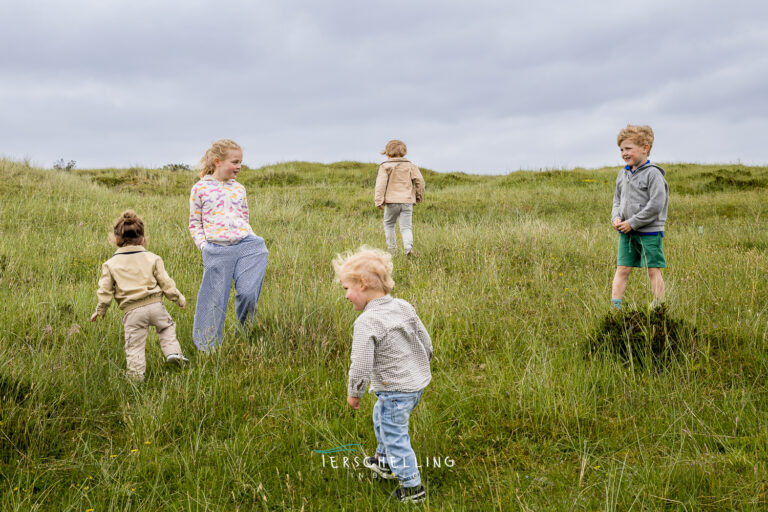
{"x": 136, "y": 323}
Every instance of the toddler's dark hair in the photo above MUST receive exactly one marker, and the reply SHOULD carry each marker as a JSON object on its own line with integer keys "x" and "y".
{"x": 128, "y": 229}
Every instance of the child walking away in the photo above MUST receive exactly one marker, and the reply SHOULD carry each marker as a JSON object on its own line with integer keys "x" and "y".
{"x": 137, "y": 280}
{"x": 391, "y": 350}
{"x": 399, "y": 185}
{"x": 639, "y": 213}
{"x": 218, "y": 222}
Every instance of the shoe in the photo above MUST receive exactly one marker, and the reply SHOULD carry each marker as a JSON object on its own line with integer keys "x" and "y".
{"x": 412, "y": 494}
{"x": 411, "y": 254}
{"x": 178, "y": 359}
{"x": 380, "y": 468}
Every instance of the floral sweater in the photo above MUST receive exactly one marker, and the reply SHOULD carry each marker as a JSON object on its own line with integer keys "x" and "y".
{"x": 218, "y": 212}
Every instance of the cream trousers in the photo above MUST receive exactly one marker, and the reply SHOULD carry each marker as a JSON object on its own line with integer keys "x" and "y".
{"x": 136, "y": 323}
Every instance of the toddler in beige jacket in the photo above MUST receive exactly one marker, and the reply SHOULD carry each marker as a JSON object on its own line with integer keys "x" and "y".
{"x": 137, "y": 280}
{"x": 399, "y": 185}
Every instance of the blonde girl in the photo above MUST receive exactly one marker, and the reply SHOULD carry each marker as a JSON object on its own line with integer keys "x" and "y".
{"x": 219, "y": 224}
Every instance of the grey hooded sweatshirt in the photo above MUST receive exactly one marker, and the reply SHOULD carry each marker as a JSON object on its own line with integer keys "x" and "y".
{"x": 641, "y": 198}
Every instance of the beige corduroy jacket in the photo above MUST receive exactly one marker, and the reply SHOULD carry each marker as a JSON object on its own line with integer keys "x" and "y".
{"x": 398, "y": 181}
{"x": 135, "y": 277}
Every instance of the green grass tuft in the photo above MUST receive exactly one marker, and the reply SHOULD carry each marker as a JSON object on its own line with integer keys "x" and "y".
{"x": 640, "y": 337}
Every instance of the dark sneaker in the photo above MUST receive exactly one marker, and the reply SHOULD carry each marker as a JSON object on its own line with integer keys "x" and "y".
{"x": 380, "y": 468}
{"x": 412, "y": 494}
{"x": 178, "y": 359}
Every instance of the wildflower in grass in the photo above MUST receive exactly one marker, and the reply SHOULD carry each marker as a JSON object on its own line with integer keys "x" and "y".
{"x": 134, "y": 450}
{"x": 89, "y": 510}
{"x": 112, "y": 456}
{"x": 147, "y": 442}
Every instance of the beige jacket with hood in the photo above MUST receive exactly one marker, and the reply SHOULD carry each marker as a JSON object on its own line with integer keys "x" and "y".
{"x": 135, "y": 277}
{"x": 398, "y": 181}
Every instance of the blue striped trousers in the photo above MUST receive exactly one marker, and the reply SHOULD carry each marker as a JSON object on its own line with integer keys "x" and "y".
{"x": 246, "y": 263}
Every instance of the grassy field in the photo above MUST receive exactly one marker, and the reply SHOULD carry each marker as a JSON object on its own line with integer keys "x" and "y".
{"x": 512, "y": 276}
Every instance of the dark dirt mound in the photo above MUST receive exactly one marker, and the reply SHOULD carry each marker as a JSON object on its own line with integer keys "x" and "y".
{"x": 639, "y": 337}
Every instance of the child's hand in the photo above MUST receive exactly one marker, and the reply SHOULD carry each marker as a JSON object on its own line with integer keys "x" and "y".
{"x": 94, "y": 317}
{"x": 353, "y": 402}
{"x": 184, "y": 306}
{"x": 616, "y": 222}
{"x": 380, "y": 207}
{"x": 624, "y": 227}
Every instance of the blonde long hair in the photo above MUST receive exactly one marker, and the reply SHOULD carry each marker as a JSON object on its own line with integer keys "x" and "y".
{"x": 218, "y": 149}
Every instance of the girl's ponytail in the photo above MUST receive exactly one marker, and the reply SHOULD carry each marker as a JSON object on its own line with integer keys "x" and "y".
{"x": 218, "y": 149}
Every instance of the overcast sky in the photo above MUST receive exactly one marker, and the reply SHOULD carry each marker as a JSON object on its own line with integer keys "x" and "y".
{"x": 487, "y": 86}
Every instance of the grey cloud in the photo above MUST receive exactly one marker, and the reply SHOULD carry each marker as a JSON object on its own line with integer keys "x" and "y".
{"x": 333, "y": 79}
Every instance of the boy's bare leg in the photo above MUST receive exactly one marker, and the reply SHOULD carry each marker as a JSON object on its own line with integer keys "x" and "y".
{"x": 657, "y": 284}
{"x": 620, "y": 279}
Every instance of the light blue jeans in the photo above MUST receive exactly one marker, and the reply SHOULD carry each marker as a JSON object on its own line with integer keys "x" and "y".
{"x": 390, "y": 423}
{"x": 246, "y": 263}
{"x": 402, "y": 212}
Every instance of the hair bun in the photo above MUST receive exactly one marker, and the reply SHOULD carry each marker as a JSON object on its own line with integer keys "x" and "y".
{"x": 128, "y": 229}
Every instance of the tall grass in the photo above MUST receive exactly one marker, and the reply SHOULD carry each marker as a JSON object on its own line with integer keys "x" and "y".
{"x": 513, "y": 273}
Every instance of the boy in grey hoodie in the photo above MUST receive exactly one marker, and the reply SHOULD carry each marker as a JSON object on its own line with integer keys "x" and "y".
{"x": 639, "y": 212}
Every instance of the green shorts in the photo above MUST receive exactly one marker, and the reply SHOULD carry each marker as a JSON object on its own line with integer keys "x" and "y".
{"x": 641, "y": 251}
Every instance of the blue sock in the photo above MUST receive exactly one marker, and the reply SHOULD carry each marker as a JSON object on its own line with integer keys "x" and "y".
{"x": 616, "y": 303}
